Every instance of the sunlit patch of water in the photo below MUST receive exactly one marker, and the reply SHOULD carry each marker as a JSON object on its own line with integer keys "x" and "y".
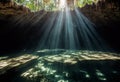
{"x": 68, "y": 67}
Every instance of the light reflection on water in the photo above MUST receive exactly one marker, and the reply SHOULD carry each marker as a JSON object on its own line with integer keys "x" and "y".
{"x": 70, "y": 66}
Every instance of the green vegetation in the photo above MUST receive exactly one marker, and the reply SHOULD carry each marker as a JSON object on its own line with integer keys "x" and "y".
{"x": 51, "y": 5}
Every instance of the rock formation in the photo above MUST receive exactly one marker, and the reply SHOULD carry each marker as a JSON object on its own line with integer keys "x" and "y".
{"x": 9, "y": 7}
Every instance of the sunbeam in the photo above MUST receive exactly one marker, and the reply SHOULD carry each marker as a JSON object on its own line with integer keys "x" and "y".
{"x": 68, "y": 29}
{"x": 87, "y": 31}
{"x": 63, "y": 29}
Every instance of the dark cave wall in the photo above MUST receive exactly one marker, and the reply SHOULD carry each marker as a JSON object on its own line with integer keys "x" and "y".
{"x": 20, "y": 36}
{"x": 9, "y": 38}
{"x": 106, "y": 16}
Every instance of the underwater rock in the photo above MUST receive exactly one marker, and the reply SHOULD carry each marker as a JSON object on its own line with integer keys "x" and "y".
{"x": 15, "y": 63}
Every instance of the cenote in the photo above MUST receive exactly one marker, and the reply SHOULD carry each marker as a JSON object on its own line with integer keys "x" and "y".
{"x": 59, "y": 41}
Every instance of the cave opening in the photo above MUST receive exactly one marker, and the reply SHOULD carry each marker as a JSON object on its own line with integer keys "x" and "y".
{"x": 54, "y": 5}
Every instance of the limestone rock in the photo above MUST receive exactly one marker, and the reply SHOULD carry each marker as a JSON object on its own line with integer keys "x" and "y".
{"x": 12, "y": 8}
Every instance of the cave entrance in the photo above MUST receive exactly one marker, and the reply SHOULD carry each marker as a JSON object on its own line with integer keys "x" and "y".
{"x": 54, "y": 5}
